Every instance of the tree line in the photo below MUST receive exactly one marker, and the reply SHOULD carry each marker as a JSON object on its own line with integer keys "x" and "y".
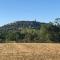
{"x": 31, "y": 32}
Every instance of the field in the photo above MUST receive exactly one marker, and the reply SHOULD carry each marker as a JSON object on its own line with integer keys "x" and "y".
{"x": 29, "y": 51}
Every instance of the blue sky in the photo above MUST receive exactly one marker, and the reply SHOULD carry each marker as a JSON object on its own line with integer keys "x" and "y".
{"x": 42, "y": 10}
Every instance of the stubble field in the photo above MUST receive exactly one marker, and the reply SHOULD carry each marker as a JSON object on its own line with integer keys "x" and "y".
{"x": 29, "y": 51}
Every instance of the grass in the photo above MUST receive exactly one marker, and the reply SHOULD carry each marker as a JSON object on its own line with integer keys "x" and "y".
{"x": 29, "y": 51}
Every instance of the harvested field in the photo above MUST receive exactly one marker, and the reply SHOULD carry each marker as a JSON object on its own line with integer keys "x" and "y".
{"x": 29, "y": 51}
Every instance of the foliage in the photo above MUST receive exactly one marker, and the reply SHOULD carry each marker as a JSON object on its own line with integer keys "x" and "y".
{"x": 30, "y": 31}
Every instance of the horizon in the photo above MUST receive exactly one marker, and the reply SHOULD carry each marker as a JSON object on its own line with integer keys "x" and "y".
{"x": 17, "y": 10}
{"x": 22, "y": 20}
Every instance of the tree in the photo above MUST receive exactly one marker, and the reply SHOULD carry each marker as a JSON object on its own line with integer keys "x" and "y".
{"x": 57, "y": 21}
{"x": 43, "y": 33}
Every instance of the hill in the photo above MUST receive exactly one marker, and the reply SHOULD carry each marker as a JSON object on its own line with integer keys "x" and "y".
{"x": 30, "y": 32}
{"x": 21, "y": 24}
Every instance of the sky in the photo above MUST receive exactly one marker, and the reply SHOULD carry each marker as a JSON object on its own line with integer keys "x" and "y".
{"x": 17, "y": 10}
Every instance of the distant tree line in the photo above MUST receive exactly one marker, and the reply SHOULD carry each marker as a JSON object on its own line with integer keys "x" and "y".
{"x": 31, "y": 32}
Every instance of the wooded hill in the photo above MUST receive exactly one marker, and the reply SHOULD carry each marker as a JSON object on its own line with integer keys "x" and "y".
{"x": 30, "y": 32}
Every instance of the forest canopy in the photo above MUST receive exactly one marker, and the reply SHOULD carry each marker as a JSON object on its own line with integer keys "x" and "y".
{"x": 31, "y": 32}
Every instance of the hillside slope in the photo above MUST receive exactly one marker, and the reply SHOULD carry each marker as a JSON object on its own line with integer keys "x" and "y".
{"x": 21, "y": 24}
{"x": 30, "y": 32}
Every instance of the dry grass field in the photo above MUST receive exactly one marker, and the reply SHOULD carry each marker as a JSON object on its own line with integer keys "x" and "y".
{"x": 29, "y": 51}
